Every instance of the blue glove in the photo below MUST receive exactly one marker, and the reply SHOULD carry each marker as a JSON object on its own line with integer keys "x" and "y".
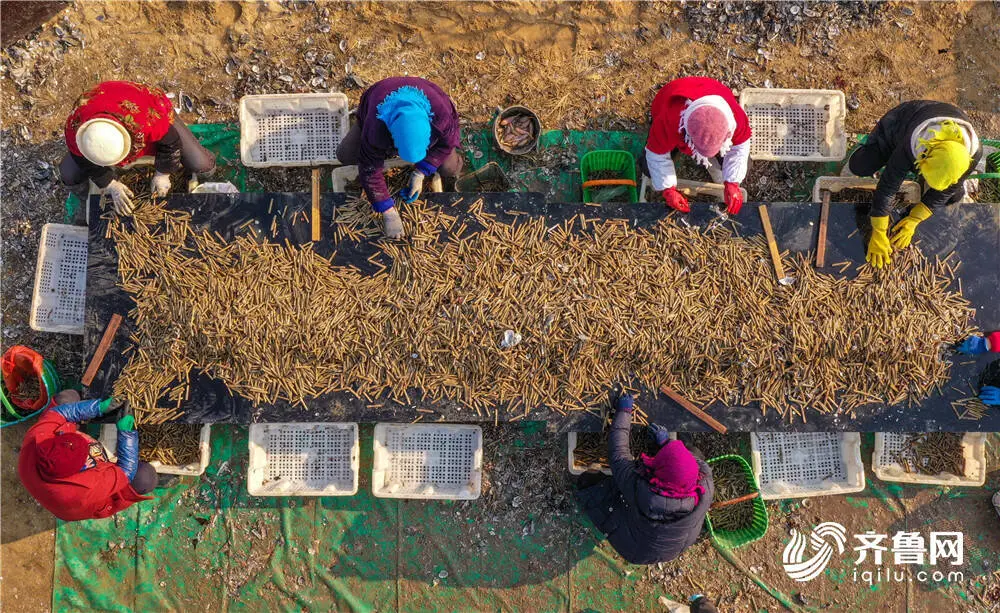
{"x": 990, "y": 395}
{"x": 411, "y": 192}
{"x": 128, "y": 446}
{"x": 658, "y": 433}
{"x": 383, "y": 205}
{"x": 974, "y": 345}
{"x": 85, "y": 410}
{"x": 625, "y": 403}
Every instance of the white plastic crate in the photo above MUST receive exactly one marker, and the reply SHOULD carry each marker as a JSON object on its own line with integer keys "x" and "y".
{"x": 803, "y": 464}
{"x": 306, "y": 459}
{"x": 796, "y": 125}
{"x": 292, "y": 129}
{"x": 427, "y": 461}
{"x": 579, "y": 469}
{"x": 60, "y": 294}
{"x": 109, "y": 438}
{"x": 888, "y": 446}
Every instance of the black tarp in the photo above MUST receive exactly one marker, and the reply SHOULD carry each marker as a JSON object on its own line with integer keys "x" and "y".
{"x": 972, "y": 231}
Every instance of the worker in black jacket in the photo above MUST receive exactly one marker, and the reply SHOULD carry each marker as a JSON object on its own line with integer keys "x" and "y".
{"x": 653, "y": 512}
{"x": 933, "y": 139}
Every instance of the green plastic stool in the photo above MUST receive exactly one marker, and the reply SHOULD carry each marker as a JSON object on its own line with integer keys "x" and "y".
{"x": 617, "y": 161}
{"x": 731, "y": 539}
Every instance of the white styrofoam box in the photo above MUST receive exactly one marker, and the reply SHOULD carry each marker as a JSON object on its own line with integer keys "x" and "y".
{"x": 575, "y": 469}
{"x": 427, "y": 461}
{"x": 886, "y": 466}
{"x": 909, "y": 189}
{"x": 689, "y": 188}
{"x": 60, "y": 295}
{"x": 340, "y": 177}
{"x": 571, "y": 458}
{"x": 292, "y": 129}
{"x": 796, "y": 125}
{"x": 304, "y": 459}
{"x": 109, "y": 438}
{"x": 803, "y": 464}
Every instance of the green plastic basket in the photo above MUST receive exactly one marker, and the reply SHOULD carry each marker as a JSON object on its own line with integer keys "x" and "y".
{"x": 620, "y": 162}
{"x": 51, "y": 381}
{"x": 731, "y": 539}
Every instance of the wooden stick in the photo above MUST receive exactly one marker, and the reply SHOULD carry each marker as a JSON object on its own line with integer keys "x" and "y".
{"x": 702, "y": 415}
{"x": 726, "y": 503}
{"x": 772, "y": 244}
{"x": 102, "y": 349}
{"x": 824, "y": 216}
{"x": 315, "y": 204}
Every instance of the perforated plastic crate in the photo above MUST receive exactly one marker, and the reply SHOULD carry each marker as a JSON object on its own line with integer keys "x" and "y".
{"x": 307, "y": 459}
{"x": 292, "y": 129}
{"x": 796, "y": 125}
{"x": 109, "y": 438}
{"x": 427, "y": 461}
{"x": 60, "y": 294}
{"x": 889, "y": 445}
{"x": 803, "y": 464}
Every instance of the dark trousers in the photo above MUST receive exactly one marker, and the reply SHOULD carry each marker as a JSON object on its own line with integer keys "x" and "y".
{"x": 145, "y": 478}
{"x": 349, "y": 151}
{"x": 193, "y": 157}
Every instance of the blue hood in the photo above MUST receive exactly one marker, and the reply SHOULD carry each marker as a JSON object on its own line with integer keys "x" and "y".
{"x": 407, "y": 114}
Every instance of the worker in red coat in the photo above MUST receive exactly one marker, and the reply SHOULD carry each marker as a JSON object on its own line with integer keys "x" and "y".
{"x": 69, "y": 473}
{"x": 116, "y": 123}
{"x": 700, "y": 117}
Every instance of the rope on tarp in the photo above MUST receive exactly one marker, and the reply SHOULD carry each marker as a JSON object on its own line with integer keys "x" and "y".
{"x": 778, "y": 595}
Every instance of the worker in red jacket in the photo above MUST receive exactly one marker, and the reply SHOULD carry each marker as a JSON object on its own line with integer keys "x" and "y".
{"x": 69, "y": 473}
{"x": 116, "y": 123}
{"x": 699, "y": 117}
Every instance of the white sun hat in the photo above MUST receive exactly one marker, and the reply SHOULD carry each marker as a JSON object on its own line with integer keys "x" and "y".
{"x": 103, "y": 141}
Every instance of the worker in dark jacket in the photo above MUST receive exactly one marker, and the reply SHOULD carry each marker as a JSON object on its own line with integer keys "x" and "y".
{"x": 69, "y": 473}
{"x": 409, "y": 117}
{"x": 116, "y": 123}
{"x": 977, "y": 344}
{"x": 653, "y": 512}
{"x": 933, "y": 139}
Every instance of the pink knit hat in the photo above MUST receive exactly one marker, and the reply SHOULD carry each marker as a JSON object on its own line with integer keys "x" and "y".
{"x": 708, "y": 130}
{"x": 673, "y": 472}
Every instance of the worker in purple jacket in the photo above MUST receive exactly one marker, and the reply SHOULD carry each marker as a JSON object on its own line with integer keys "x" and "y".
{"x": 409, "y": 117}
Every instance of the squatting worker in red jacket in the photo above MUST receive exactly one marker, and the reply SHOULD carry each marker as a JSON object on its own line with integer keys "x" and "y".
{"x": 116, "y": 123}
{"x": 699, "y": 117}
{"x": 69, "y": 473}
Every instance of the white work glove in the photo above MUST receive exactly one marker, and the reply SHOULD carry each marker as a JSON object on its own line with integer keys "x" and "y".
{"x": 393, "y": 224}
{"x": 121, "y": 197}
{"x": 412, "y": 192}
{"x": 160, "y": 185}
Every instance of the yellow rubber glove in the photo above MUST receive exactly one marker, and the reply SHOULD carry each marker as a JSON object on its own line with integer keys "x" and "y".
{"x": 902, "y": 232}
{"x": 878, "y": 246}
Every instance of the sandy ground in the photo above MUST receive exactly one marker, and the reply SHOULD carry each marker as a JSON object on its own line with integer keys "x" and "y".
{"x": 579, "y": 65}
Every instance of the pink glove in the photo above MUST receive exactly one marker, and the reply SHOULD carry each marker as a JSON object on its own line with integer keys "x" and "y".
{"x": 734, "y": 198}
{"x": 676, "y": 200}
